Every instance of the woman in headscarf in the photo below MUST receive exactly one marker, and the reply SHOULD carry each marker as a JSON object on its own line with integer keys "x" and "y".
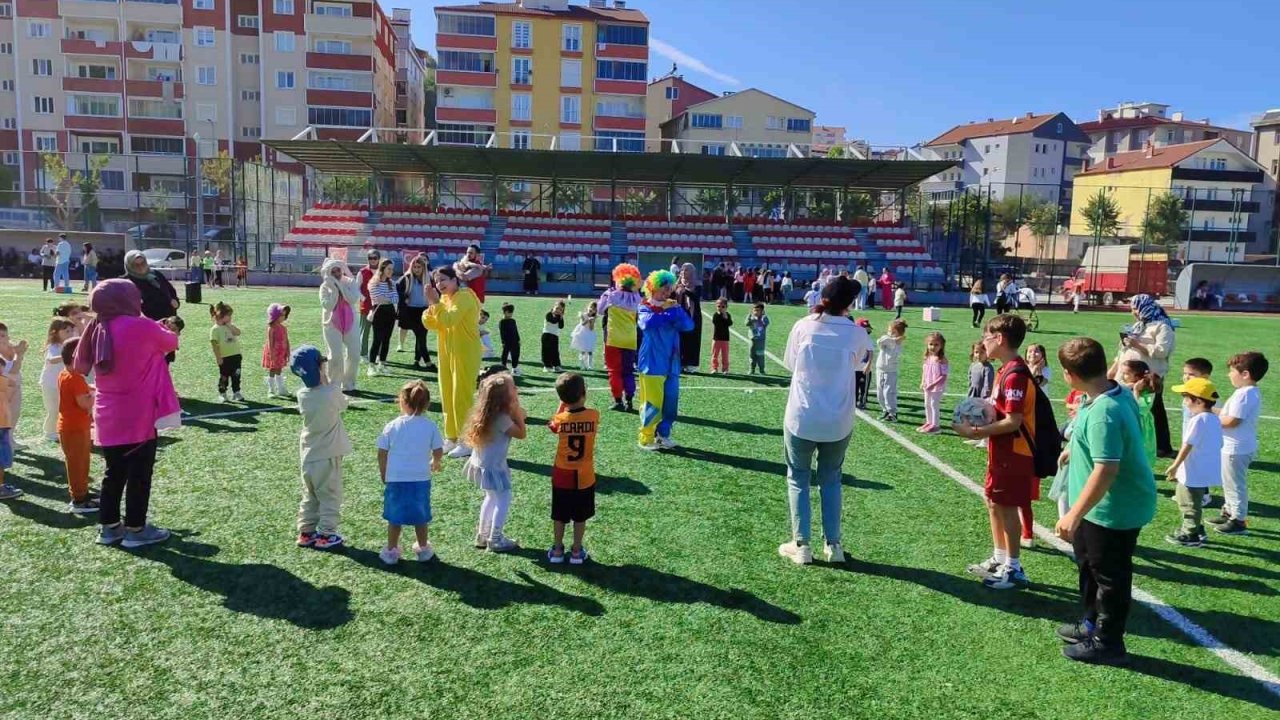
{"x": 159, "y": 299}
{"x": 339, "y": 298}
{"x": 1151, "y": 340}
{"x": 687, "y": 294}
{"x": 127, "y": 352}
{"x": 412, "y": 288}
{"x": 454, "y": 313}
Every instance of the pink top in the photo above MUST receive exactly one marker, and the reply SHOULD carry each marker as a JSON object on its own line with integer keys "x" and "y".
{"x": 934, "y": 375}
{"x": 343, "y": 316}
{"x": 138, "y": 390}
{"x": 275, "y": 354}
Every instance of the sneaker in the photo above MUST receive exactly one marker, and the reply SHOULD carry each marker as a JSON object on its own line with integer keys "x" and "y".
{"x": 328, "y": 542}
{"x": 649, "y": 447}
{"x": 449, "y": 445}
{"x": 482, "y": 540}
{"x": 87, "y": 506}
{"x": 617, "y": 405}
{"x": 1094, "y": 652}
{"x": 555, "y": 555}
{"x": 1222, "y": 519}
{"x": 666, "y": 443}
{"x": 148, "y": 535}
{"x": 923, "y": 428}
{"x": 932, "y": 429}
{"x": 460, "y": 451}
{"x": 423, "y": 553}
{"x": 1027, "y": 542}
{"x": 1006, "y": 578}
{"x": 389, "y": 555}
{"x": 399, "y": 348}
{"x": 630, "y": 406}
{"x": 893, "y": 418}
{"x": 986, "y": 568}
{"x": 371, "y": 371}
{"x": 222, "y": 398}
{"x": 558, "y": 369}
{"x": 430, "y": 367}
{"x": 110, "y": 534}
{"x": 1076, "y": 632}
{"x": 579, "y": 556}
{"x": 237, "y": 397}
{"x": 502, "y": 544}
{"x": 796, "y": 553}
{"x": 306, "y": 539}
{"x": 834, "y": 553}
{"x": 1233, "y": 527}
{"x": 1206, "y": 501}
{"x": 52, "y": 438}
{"x": 1185, "y": 539}
{"x": 9, "y": 492}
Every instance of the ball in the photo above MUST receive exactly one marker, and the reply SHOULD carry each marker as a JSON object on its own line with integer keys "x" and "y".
{"x": 974, "y": 411}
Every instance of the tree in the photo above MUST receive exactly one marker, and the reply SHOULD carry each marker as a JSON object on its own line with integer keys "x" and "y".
{"x": 72, "y": 193}
{"x": 1166, "y": 220}
{"x": 344, "y": 189}
{"x": 572, "y": 198}
{"x": 967, "y": 217}
{"x": 217, "y": 171}
{"x": 858, "y": 206}
{"x": 640, "y": 201}
{"x": 836, "y": 152}
{"x": 710, "y": 201}
{"x": 772, "y": 200}
{"x": 1102, "y": 215}
{"x": 1043, "y": 222}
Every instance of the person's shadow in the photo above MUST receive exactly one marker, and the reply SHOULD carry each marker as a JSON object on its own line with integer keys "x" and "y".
{"x": 605, "y": 484}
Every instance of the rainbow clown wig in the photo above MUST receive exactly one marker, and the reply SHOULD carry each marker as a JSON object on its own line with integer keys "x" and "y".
{"x": 627, "y": 277}
{"x": 658, "y": 279}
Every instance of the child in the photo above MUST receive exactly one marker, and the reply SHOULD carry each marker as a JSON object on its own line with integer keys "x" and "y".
{"x": 1240, "y": 439}
{"x": 1038, "y": 364}
{"x": 496, "y": 418}
{"x": 242, "y": 272}
{"x": 78, "y": 314}
{"x": 1199, "y": 461}
{"x": 75, "y": 405}
{"x": 1058, "y": 491}
{"x": 1112, "y": 494}
{"x": 322, "y": 445}
{"x": 978, "y": 302}
{"x": 225, "y": 339}
{"x": 890, "y": 352}
{"x": 10, "y": 386}
{"x": 758, "y": 325}
{"x": 551, "y": 339}
{"x": 583, "y": 338}
{"x": 862, "y": 371}
{"x": 486, "y": 342}
{"x": 899, "y": 299}
{"x": 981, "y": 374}
{"x": 813, "y": 297}
{"x": 510, "y": 336}
{"x": 410, "y": 448}
{"x": 721, "y": 321}
{"x": 275, "y": 354}
{"x": 11, "y": 367}
{"x": 1136, "y": 375}
{"x": 933, "y": 381}
{"x": 60, "y": 331}
{"x": 573, "y": 476}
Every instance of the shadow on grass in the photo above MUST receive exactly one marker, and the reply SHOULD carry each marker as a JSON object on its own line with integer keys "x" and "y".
{"x": 737, "y": 427}
{"x": 1263, "y": 466}
{"x": 736, "y": 462}
{"x": 478, "y": 590}
{"x": 257, "y": 589}
{"x": 52, "y": 518}
{"x": 605, "y": 484}
{"x": 1227, "y": 685}
{"x": 763, "y": 380}
{"x": 1204, "y": 559}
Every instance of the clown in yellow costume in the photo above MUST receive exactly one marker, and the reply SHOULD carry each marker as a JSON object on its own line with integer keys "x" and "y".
{"x": 454, "y": 314}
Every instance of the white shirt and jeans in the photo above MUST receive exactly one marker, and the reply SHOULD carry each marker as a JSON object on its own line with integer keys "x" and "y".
{"x": 1239, "y": 448}
{"x": 62, "y": 267}
{"x": 822, "y": 354}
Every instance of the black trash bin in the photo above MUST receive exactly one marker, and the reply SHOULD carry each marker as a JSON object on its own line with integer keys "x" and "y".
{"x": 193, "y": 293}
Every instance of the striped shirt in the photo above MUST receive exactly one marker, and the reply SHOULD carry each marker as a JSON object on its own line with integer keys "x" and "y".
{"x": 383, "y": 293}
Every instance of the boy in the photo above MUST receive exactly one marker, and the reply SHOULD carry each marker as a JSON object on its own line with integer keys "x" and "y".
{"x": 758, "y": 324}
{"x": 1010, "y": 462}
{"x": 75, "y": 406}
{"x": 322, "y": 444}
{"x": 573, "y": 476}
{"x": 899, "y": 299}
{"x": 813, "y": 297}
{"x": 510, "y": 336}
{"x": 1240, "y": 439}
{"x": 890, "y": 351}
{"x": 1112, "y": 494}
{"x": 721, "y": 321}
{"x": 1199, "y": 461}
{"x": 10, "y": 387}
{"x": 1196, "y": 367}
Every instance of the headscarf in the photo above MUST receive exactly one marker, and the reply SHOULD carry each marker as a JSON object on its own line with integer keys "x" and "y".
{"x": 109, "y": 300}
{"x": 1148, "y": 309}
{"x": 149, "y": 275}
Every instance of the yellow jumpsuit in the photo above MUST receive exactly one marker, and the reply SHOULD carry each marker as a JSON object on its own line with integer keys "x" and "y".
{"x": 456, "y": 321}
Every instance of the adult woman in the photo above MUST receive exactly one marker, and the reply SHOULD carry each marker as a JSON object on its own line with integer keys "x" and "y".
{"x": 1002, "y": 293}
{"x": 339, "y": 298}
{"x": 785, "y": 287}
{"x": 822, "y": 352}
{"x": 532, "y": 266}
{"x": 1151, "y": 340}
{"x": 453, "y": 312}
{"x": 219, "y": 267}
{"x": 472, "y": 271}
{"x": 134, "y": 391}
{"x": 689, "y": 295}
{"x": 159, "y": 299}
{"x": 383, "y": 300}
{"x": 89, "y": 259}
{"x": 412, "y": 289}
{"x": 886, "y": 288}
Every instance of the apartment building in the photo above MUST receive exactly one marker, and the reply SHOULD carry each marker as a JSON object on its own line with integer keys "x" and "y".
{"x": 141, "y": 80}
{"x": 827, "y": 137}
{"x": 1266, "y": 143}
{"x": 1130, "y": 126}
{"x": 750, "y": 123}
{"x": 541, "y": 74}
{"x": 412, "y": 70}
{"x": 669, "y": 96}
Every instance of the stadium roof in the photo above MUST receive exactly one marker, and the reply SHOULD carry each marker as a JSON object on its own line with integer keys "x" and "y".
{"x": 342, "y": 157}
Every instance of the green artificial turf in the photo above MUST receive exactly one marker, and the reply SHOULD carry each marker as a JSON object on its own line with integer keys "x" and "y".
{"x": 685, "y": 611}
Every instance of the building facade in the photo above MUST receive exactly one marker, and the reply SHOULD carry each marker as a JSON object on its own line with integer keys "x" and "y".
{"x": 1130, "y": 126}
{"x": 411, "y": 76}
{"x": 826, "y": 137}
{"x": 1266, "y": 141}
{"x": 668, "y": 97}
{"x": 751, "y": 123}
{"x": 542, "y": 74}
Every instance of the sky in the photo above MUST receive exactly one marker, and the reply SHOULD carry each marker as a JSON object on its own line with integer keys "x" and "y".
{"x": 905, "y": 71}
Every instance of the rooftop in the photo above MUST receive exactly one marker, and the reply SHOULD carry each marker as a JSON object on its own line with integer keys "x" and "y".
{"x": 1117, "y": 123}
{"x": 574, "y": 12}
{"x": 1160, "y": 157}
{"x": 960, "y": 133}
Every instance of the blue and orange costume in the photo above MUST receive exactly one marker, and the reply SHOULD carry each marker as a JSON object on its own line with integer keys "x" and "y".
{"x": 619, "y": 306}
{"x": 659, "y": 358}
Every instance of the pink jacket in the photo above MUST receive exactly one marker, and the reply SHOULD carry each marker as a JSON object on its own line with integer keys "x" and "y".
{"x": 138, "y": 390}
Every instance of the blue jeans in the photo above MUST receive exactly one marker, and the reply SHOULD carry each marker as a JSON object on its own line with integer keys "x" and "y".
{"x": 90, "y": 277}
{"x": 62, "y": 276}
{"x": 799, "y": 457}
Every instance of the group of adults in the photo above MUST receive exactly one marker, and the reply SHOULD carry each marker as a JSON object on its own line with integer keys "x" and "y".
{"x": 749, "y": 285}
{"x": 55, "y": 258}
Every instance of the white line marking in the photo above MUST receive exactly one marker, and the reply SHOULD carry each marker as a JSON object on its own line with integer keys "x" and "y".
{"x": 1242, "y": 663}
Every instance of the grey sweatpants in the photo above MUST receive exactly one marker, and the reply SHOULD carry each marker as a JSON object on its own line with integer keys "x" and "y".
{"x": 887, "y": 391}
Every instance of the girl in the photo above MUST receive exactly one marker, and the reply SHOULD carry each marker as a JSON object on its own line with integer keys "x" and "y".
{"x": 60, "y": 331}
{"x": 275, "y": 354}
{"x": 981, "y": 374}
{"x": 496, "y": 418}
{"x": 1038, "y": 363}
{"x": 721, "y": 321}
{"x": 407, "y": 447}
{"x": 583, "y": 338}
{"x": 551, "y": 339}
{"x": 1136, "y": 375}
{"x": 899, "y": 299}
{"x": 383, "y": 299}
{"x": 862, "y": 372}
{"x": 486, "y": 342}
{"x": 89, "y": 260}
{"x": 242, "y": 271}
{"x": 219, "y": 266}
{"x": 978, "y": 302}
{"x": 225, "y": 339}
{"x": 933, "y": 380}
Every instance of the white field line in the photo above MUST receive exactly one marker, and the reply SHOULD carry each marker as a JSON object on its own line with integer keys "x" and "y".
{"x": 1236, "y": 659}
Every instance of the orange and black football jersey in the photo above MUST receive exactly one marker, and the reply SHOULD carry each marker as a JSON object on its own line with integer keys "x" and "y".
{"x": 575, "y": 467}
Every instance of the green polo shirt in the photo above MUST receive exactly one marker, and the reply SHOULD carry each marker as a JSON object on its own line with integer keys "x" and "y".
{"x": 1107, "y": 430}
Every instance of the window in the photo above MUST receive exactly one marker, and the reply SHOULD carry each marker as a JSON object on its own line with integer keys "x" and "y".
{"x": 139, "y": 107}
{"x": 39, "y": 28}
{"x": 764, "y": 151}
{"x": 619, "y": 108}
{"x": 986, "y": 149}
{"x": 713, "y": 149}
{"x": 521, "y": 69}
{"x": 97, "y": 72}
{"x": 162, "y": 36}
{"x": 799, "y": 125}
{"x": 45, "y": 142}
{"x": 984, "y": 171}
{"x": 251, "y": 95}
{"x": 10, "y": 123}
{"x": 6, "y": 85}
{"x": 202, "y": 4}
{"x": 99, "y": 146}
{"x": 734, "y": 122}
{"x": 158, "y": 145}
{"x": 6, "y": 48}
{"x": 572, "y": 36}
{"x": 43, "y": 105}
{"x": 339, "y": 81}
{"x": 206, "y": 75}
{"x": 112, "y": 179}
{"x": 286, "y": 115}
{"x": 521, "y": 34}
{"x": 570, "y": 141}
{"x": 206, "y": 112}
{"x": 284, "y": 79}
{"x": 6, "y": 10}
{"x": 521, "y": 106}
{"x": 334, "y": 47}
{"x": 204, "y": 37}
{"x": 41, "y": 67}
{"x": 283, "y": 7}
{"x": 520, "y": 139}
{"x": 251, "y": 133}
{"x": 96, "y": 105}
{"x": 570, "y": 109}
{"x": 247, "y": 21}
{"x": 571, "y": 73}
{"x": 619, "y": 70}
{"x": 622, "y": 34}
{"x": 773, "y": 122}
{"x": 284, "y": 41}
{"x": 10, "y": 157}
{"x": 609, "y": 141}
{"x": 350, "y": 117}
{"x": 332, "y": 9}
{"x": 673, "y": 93}
{"x": 250, "y": 58}
{"x": 1059, "y": 128}
{"x": 162, "y": 74}
{"x": 467, "y": 25}
{"x": 466, "y": 61}
{"x": 703, "y": 120}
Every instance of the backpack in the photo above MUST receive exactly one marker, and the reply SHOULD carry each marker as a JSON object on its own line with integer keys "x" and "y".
{"x": 1046, "y": 445}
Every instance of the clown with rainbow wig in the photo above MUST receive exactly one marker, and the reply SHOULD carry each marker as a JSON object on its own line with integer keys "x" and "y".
{"x": 661, "y": 320}
{"x": 619, "y": 306}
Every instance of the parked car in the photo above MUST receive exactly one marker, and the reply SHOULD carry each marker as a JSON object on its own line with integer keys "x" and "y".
{"x": 166, "y": 259}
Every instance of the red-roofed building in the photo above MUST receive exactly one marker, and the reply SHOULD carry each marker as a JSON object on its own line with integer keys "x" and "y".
{"x": 1129, "y": 126}
{"x": 668, "y": 97}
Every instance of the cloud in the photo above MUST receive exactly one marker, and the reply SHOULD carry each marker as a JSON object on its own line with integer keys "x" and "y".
{"x": 689, "y": 62}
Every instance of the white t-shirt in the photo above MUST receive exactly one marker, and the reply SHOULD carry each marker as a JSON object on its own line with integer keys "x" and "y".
{"x": 1203, "y": 466}
{"x": 1246, "y": 404}
{"x": 812, "y": 298}
{"x": 409, "y": 441}
{"x": 49, "y": 371}
{"x": 64, "y": 252}
{"x": 822, "y": 354}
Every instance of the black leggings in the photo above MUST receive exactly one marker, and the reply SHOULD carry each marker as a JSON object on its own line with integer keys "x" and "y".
{"x": 411, "y": 318}
{"x": 384, "y": 325}
{"x": 550, "y": 350}
{"x": 862, "y": 387}
{"x": 511, "y": 353}
{"x": 129, "y": 470}
{"x": 979, "y": 312}
{"x": 1164, "y": 443}
{"x": 229, "y": 373}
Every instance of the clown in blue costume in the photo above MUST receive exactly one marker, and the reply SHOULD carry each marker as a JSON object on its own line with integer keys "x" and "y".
{"x": 661, "y": 321}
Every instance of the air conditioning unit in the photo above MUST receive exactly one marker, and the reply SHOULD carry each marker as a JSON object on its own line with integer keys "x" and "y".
{"x": 601, "y": 47}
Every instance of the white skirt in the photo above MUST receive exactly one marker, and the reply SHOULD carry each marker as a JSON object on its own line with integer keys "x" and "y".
{"x": 582, "y": 339}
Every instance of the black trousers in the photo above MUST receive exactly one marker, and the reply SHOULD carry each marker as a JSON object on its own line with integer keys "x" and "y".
{"x": 550, "y": 350}
{"x": 1164, "y": 444}
{"x": 229, "y": 373}
{"x": 46, "y": 277}
{"x": 862, "y": 388}
{"x": 384, "y": 326}
{"x": 979, "y": 312}
{"x": 511, "y": 355}
{"x": 129, "y": 469}
{"x": 411, "y": 319}
{"x": 1002, "y": 305}
{"x": 1105, "y": 558}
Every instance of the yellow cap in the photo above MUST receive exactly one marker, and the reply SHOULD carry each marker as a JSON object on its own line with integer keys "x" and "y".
{"x": 1202, "y": 388}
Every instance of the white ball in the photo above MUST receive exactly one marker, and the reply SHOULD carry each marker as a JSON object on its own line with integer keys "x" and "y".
{"x": 974, "y": 411}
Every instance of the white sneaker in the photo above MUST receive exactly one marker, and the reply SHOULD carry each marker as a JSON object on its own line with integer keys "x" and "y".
{"x": 834, "y": 553}
{"x": 1027, "y": 542}
{"x": 651, "y": 447}
{"x": 460, "y": 451}
{"x": 238, "y": 397}
{"x": 423, "y": 553}
{"x": 1206, "y": 500}
{"x": 449, "y": 445}
{"x": 502, "y": 544}
{"x": 482, "y": 540}
{"x": 389, "y": 556}
{"x": 796, "y": 553}
{"x": 371, "y": 371}
{"x": 515, "y": 372}
{"x": 666, "y": 443}
{"x": 222, "y": 398}
{"x": 271, "y": 387}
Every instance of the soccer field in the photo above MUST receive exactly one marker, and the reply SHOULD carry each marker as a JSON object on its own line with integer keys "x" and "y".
{"x": 686, "y": 610}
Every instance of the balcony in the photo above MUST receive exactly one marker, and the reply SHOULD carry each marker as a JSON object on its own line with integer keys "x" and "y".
{"x": 146, "y": 50}
{"x": 467, "y": 79}
{"x": 1238, "y": 176}
{"x": 1202, "y": 205}
{"x": 89, "y": 9}
{"x": 335, "y": 61}
{"x": 338, "y": 25}
{"x": 94, "y": 122}
{"x": 94, "y": 85}
{"x": 622, "y": 87}
{"x": 340, "y": 98}
{"x": 445, "y": 41}
{"x": 466, "y": 115}
{"x": 153, "y": 89}
{"x": 1243, "y": 236}
{"x": 609, "y": 122}
{"x": 614, "y": 51}
{"x": 75, "y": 46}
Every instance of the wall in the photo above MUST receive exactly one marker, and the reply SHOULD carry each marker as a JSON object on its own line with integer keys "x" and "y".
{"x": 546, "y": 55}
{"x": 1130, "y": 191}
{"x": 754, "y": 107}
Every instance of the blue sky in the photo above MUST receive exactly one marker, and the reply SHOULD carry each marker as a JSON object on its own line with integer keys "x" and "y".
{"x": 904, "y": 71}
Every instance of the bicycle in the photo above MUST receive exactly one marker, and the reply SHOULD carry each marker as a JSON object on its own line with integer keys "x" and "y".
{"x": 1025, "y": 296}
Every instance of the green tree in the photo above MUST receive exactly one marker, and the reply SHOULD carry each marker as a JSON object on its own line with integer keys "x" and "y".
{"x": 72, "y": 193}
{"x": 836, "y": 152}
{"x": 1102, "y": 215}
{"x": 772, "y": 199}
{"x": 344, "y": 189}
{"x": 858, "y": 206}
{"x": 1166, "y": 220}
{"x": 967, "y": 216}
{"x": 710, "y": 201}
{"x": 573, "y": 198}
{"x": 217, "y": 171}
{"x": 1043, "y": 222}
{"x": 640, "y": 201}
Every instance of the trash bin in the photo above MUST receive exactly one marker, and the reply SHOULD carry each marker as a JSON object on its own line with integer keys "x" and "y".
{"x": 193, "y": 293}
